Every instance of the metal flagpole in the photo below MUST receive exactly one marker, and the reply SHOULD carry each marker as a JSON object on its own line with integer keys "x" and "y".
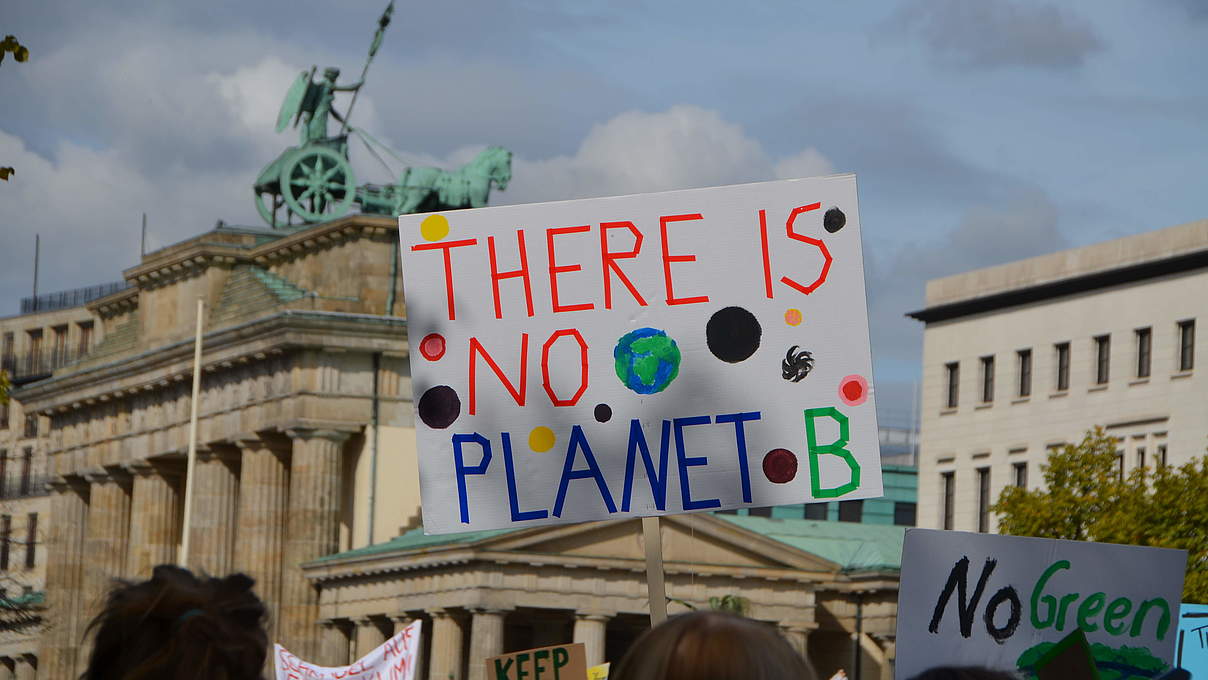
{"x": 383, "y": 22}
{"x": 192, "y": 461}
{"x": 655, "y": 587}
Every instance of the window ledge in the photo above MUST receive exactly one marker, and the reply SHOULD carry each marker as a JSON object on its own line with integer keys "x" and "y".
{"x": 983, "y": 405}
{"x": 947, "y": 411}
{"x": 1181, "y": 374}
{"x": 1058, "y": 395}
{"x": 1139, "y": 381}
{"x": 1021, "y": 400}
{"x": 1097, "y": 388}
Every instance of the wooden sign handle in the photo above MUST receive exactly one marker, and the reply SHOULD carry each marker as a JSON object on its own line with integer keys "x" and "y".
{"x": 655, "y": 586}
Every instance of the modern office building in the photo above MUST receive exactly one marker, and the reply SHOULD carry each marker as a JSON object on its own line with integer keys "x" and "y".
{"x": 1023, "y": 357}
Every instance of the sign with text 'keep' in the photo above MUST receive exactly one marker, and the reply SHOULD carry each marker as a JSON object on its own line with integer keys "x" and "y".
{"x": 559, "y": 662}
{"x": 640, "y": 355}
{"x": 1008, "y": 603}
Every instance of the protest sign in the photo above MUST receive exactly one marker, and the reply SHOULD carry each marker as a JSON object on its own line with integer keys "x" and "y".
{"x": 559, "y": 662}
{"x": 598, "y": 672}
{"x": 640, "y": 355}
{"x": 395, "y": 659}
{"x": 1192, "y": 650}
{"x": 1005, "y": 602}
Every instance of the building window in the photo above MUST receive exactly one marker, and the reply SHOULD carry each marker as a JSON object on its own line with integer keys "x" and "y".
{"x": 987, "y": 379}
{"x": 1144, "y": 345}
{"x": 31, "y": 426}
{"x": 1063, "y": 366}
{"x": 953, "y": 375}
{"x": 1021, "y": 475}
{"x": 85, "y": 337}
{"x": 1025, "y": 372}
{"x": 60, "y": 346}
{"x": 3, "y": 473}
{"x": 905, "y": 514}
{"x": 760, "y": 512}
{"x": 4, "y": 416}
{"x": 31, "y": 541}
{"x": 1161, "y": 455}
{"x": 27, "y": 462}
{"x": 815, "y": 511}
{"x": 1103, "y": 352}
{"x": 6, "y": 529}
{"x": 948, "y": 483}
{"x": 851, "y": 511}
{"x": 1187, "y": 345}
{"x": 983, "y": 499}
{"x": 1140, "y": 456}
{"x": 1120, "y": 465}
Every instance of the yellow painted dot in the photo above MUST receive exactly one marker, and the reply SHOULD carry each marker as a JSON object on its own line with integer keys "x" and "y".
{"x": 793, "y": 317}
{"x": 434, "y": 227}
{"x": 541, "y": 439}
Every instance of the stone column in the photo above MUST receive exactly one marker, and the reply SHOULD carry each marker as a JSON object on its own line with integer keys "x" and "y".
{"x": 27, "y": 667}
{"x": 154, "y": 513}
{"x": 260, "y": 537}
{"x": 590, "y": 630}
{"x": 445, "y": 662}
{"x": 215, "y": 511}
{"x": 797, "y": 635}
{"x": 105, "y": 543}
{"x": 890, "y": 647}
{"x": 369, "y": 636}
{"x": 7, "y": 665}
{"x": 486, "y": 640}
{"x": 64, "y": 577}
{"x": 333, "y": 644}
{"x": 313, "y": 531}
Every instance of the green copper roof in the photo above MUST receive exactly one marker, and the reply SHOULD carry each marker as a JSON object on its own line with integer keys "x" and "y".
{"x": 852, "y": 545}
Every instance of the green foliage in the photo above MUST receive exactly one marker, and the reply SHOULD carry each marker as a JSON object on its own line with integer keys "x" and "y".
{"x": 729, "y": 603}
{"x": 1084, "y": 498}
{"x": 5, "y": 386}
{"x": 10, "y": 44}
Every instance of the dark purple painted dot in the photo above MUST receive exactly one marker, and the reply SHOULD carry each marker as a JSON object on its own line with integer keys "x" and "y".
{"x": 603, "y": 413}
{"x": 439, "y": 407}
{"x": 732, "y": 334}
{"x": 833, "y": 220}
{"x": 780, "y": 466}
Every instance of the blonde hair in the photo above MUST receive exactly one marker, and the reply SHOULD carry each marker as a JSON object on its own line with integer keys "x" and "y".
{"x": 712, "y": 646}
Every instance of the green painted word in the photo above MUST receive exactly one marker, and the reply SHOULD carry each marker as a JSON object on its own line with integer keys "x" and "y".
{"x": 1048, "y": 610}
{"x": 555, "y": 659}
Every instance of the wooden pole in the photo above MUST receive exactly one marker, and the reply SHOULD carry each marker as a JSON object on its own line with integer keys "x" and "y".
{"x": 192, "y": 460}
{"x": 655, "y": 586}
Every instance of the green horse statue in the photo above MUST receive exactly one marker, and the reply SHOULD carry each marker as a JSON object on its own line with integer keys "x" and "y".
{"x": 433, "y": 189}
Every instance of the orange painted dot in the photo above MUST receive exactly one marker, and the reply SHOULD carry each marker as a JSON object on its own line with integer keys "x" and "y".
{"x": 541, "y": 439}
{"x": 434, "y": 227}
{"x": 793, "y": 317}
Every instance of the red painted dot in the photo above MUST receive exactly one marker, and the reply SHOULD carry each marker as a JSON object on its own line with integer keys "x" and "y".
{"x": 432, "y": 347}
{"x": 853, "y": 390}
{"x": 780, "y": 466}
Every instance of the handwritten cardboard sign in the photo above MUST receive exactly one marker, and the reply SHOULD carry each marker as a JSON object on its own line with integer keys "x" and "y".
{"x": 1006, "y": 602}
{"x": 640, "y": 355}
{"x": 1192, "y": 649}
{"x": 394, "y": 659}
{"x": 559, "y": 662}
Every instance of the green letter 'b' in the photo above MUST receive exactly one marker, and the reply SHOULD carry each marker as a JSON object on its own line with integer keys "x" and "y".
{"x": 835, "y": 448}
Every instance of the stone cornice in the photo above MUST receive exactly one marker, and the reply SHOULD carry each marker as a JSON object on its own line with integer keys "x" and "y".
{"x": 224, "y": 348}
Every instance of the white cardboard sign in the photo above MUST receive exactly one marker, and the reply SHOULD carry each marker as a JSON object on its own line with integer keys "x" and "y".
{"x": 394, "y": 659}
{"x": 640, "y": 355}
{"x": 1003, "y": 601}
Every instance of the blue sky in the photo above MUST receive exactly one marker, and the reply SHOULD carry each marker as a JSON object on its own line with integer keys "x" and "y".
{"x": 981, "y": 132}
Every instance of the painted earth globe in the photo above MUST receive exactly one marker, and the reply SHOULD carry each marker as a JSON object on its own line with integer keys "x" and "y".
{"x": 647, "y": 360}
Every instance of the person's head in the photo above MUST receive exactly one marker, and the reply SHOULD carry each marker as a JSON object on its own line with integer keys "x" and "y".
{"x": 963, "y": 673}
{"x": 180, "y": 626}
{"x": 331, "y": 73}
{"x": 711, "y": 646}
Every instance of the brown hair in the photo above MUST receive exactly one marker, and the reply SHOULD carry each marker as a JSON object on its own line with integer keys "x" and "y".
{"x": 711, "y": 646}
{"x": 179, "y": 626}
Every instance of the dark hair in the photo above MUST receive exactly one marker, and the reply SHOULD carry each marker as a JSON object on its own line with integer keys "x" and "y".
{"x": 711, "y": 646}
{"x": 179, "y": 626}
{"x": 964, "y": 673}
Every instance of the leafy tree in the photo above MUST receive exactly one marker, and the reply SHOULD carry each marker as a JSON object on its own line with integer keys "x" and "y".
{"x": 1086, "y": 499}
{"x": 20, "y": 53}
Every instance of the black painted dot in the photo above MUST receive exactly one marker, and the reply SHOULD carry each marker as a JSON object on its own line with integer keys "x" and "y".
{"x": 603, "y": 413}
{"x": 439, "y": 407}
{"x": 780, "y": 466}
{"x": 733, "y": 334}
{"x": 833, "y": 220}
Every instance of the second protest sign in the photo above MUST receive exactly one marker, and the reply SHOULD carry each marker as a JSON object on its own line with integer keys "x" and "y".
{"x": 640, "y": 355}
